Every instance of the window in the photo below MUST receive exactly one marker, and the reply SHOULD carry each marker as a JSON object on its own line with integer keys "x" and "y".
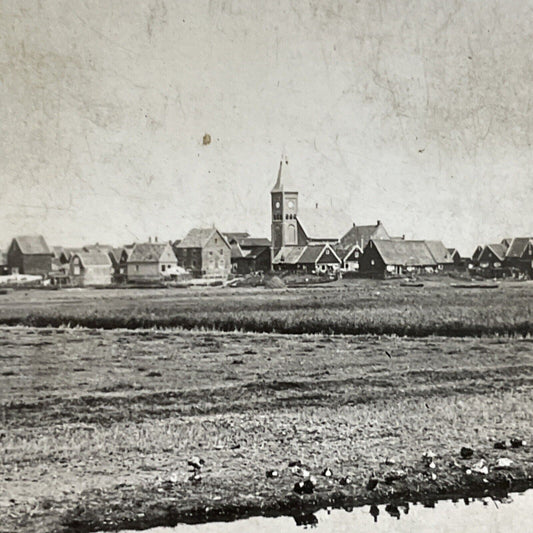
{"x": 163, "y": 268}
{"x": 216, "y": 240}
{"x": 221, "y": 251}
{"x": 372, "y": 262}
{"x": 136, "y": 268}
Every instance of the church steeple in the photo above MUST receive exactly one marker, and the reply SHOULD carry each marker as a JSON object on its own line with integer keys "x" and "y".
{"x": 284, "y": 182}
{"x": 284, "y": 204}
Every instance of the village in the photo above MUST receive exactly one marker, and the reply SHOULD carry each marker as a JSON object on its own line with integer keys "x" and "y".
{"x": 310, "y": 241}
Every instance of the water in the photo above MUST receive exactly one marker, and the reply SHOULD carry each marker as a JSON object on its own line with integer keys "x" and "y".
{"x": 515, "y": 514}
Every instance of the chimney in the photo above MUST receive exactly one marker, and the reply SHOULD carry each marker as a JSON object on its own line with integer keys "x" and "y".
{"x": 379, "y": 222}
{"x": 155, "y": 239}
{"x": 149, "y": 239}
{"x": 316, "y": 205}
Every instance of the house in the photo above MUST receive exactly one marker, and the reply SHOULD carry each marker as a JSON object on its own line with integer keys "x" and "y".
{"x": 119, "y": 260}
{"x": 349, "y": 256}
{"x": 30, "y": 255}
{"x": 382, "y": 258}
{"x": 205, "y": 252}
{"x": 90, "y": 268}
{"x": 313, "y": 258}
{"x": 249, "y": 254}
{"x": 4, "y": 267}
{"x": 361, "y": 235}
{"x": 441, "y": 255}
{"x": 458, "y": 261}
{"x": 149, "y": 261}
{"x": 491, "y": 259}
{"x": 526, "y": 260}
{"x": 517, "y": 256}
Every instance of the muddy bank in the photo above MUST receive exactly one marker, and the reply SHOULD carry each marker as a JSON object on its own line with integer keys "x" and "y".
{"x": 165, "y": 505}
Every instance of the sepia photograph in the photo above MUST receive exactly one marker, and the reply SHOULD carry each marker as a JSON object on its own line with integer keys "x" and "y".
{"x": 266, "y": 266}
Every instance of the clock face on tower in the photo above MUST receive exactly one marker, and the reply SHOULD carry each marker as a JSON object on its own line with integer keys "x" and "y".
{"x": 277, "y": 205}
{"x": 291, "y": 204}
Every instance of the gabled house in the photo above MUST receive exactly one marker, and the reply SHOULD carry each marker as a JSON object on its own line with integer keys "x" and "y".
{"x": 362, "y": 235}
{"x": 526, "y": 260}
{"x": 119, "y": 260}
{"x": 150, "y": 261}
{"x": 382, "y": 258}
{"x": 249, "y": 254}
{"x": 441, "y": 255}
{"x": 205, "y": 252}
{"x": 90, "y": 268}
{"x": 349, "y": 256}
{"x": 458, "y": 261}
{"x": 517, "y": 256}
{"x": 30, "y": 255}
{"x": 313, "y": 258}
{"x": 492, "y": 256}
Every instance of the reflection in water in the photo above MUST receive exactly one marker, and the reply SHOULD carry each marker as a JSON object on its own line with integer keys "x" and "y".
{"x": 475, "y": 516}
{"x": 306, "y": 520}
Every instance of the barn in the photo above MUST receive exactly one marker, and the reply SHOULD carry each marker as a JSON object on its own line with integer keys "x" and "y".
{"x": 30, "y": 255}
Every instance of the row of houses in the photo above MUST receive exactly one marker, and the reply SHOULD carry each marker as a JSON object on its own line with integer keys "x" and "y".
{"x": 204, "y": 252}
{"x": 510, "y": 257}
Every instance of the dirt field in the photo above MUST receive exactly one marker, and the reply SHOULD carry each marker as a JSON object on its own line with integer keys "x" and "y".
{"x": 97, "y": 426}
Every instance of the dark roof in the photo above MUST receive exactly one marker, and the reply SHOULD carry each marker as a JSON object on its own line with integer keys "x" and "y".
{"x": 236, "y": 236}
{"x": 250, "y": 242}
{"x": 254, "y": 252}
{"x": 89, "y": 259}
{"x": 404, "y": 253}
{"x": 323, "y": 224}
{"x": 288, "y": 255}
{"x": 312, "y": 254}
{"x": 198, "y": 238}
{"x": 33, "y": 245}
{"x": 517, "y": 247}
{"x": 439, "y": 252}
{"x": 361, "y": 235}
{"x": 236, "y": 251}
{"x": 116, "y": 253}
{"x": 498, "y": 250}
{"x": 147, "y": 252}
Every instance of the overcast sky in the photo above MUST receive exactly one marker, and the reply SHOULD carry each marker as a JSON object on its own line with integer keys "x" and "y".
{"x": 417, "y": 113}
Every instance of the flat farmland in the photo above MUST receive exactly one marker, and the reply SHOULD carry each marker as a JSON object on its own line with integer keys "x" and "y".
{"x": 97, "y": 425}
{"x": 346, "y": 307}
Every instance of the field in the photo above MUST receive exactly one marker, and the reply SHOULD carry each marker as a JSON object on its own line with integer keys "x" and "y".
{"x": 351, "y": 307}
{"x": 97, "y": 425}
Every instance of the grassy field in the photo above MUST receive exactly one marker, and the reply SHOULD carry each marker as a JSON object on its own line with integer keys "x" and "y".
{"x": 346, "y": 307}
{"x": 97, "y": 425}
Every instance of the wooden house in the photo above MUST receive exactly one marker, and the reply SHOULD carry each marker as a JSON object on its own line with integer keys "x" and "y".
{"x": 150, "y": 261}
{"x": 4, "y": 267}
{"x": 442, "y": 256}
{"x": 119, "y": 260}
{"x": 313, "y": 258}
{"x": 90, "y": 268}
{"x": 382, "y": 258}
{"x": 249, "y": 254}
{"x": 518, "y": 255}
{"x": 30, "y": 255}
{"x": 205, "y": 252}
{"x": 491, "y": 258}
{"x": 350, "y": 256}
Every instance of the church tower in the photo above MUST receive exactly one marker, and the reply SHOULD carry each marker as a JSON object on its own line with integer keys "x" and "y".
{"x": 284, "y": 203}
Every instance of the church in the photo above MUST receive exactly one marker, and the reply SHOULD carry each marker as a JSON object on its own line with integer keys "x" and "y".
{"x": 314, "y": 240}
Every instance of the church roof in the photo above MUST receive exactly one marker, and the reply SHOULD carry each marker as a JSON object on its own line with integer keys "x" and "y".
{"x": 284, "y": 182}
{"x": 323, "y": 224}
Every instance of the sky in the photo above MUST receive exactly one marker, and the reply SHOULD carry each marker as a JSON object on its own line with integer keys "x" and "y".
{"x": 417, "y": 113}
